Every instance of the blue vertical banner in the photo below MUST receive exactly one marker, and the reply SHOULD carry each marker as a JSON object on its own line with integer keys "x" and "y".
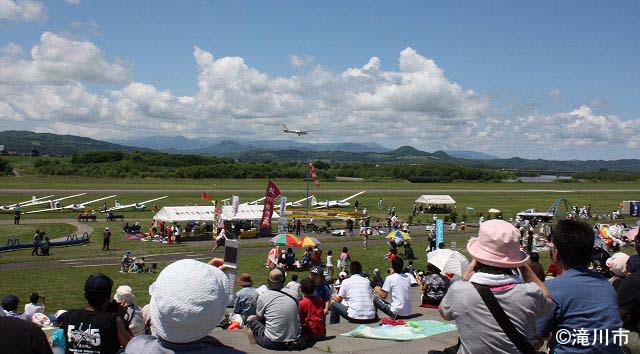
{"x": 439, "y": 232}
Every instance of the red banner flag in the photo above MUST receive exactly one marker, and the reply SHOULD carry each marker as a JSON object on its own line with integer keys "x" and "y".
{"x": 204, "y": 195}
{"x": 269, "y": 198}
{"x": 314, "y": 175}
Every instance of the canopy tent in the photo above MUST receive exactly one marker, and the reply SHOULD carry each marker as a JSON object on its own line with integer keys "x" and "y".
{"x": 207, "y": 213}
{"x": 435, "y": 200}
{"x": 494, "y": 211}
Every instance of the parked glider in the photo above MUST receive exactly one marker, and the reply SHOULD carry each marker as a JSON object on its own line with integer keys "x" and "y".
{"x": 12, "y": 207}
{"x": 74, "y": 207}
{"x": 135, "y": 206}
{"x": 342, "y": 203}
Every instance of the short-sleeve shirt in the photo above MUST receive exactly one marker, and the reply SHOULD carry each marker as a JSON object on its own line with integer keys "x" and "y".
{"x": 583, "y": 300}
{"x": 246, "y": 299}
{"x": 311, "y": 311}
{"x": 281, "y": 315}
{"x": 356, "y": 290}
{"x": 30, "y": 309}
{"x": 323, "y": 292}
{"x": 398, "y": 286}
{"x": 478, "y": 330}
{"x": 90, "y": 332}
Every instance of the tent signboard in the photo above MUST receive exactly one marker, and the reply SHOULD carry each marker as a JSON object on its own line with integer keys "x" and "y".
{"x": 208, "y": 213}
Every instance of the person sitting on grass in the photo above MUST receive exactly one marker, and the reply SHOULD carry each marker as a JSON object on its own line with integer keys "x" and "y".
{"x": 355, "y": 291}
{"x": 434, "y": 286}
{"x": 294, "y": 285}
{"x": 133, "y": 315}
{"x": 188, "y": 300}
{"x": 10, "y": 308}
{"x": 102, "y": 318}
{"x": 492, "y": 278}
{"x": 311, "y": 311}
{"x": 246, "y": 298}
{"x": 398, "y": 287}
{"x": 126, "y": 263}
{"x": 276, "y": 325}
{"x": 33, "y": 306}
{"x": 322, "y": 289}
{"x": 584, "y": 299}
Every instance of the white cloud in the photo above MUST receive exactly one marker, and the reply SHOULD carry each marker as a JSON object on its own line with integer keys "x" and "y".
{"x": 580, "y": 127}
{"x": 59, "y": 60}
{"x": 22, "y": 10}
{"x": 415, "y": 104}
{"x": 555, "y": 94}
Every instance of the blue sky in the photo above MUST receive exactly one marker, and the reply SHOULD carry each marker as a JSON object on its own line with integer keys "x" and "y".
{"x": 536, "y": 79}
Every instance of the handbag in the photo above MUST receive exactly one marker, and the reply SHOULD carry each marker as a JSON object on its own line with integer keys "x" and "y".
{"x": 517, "y": 338}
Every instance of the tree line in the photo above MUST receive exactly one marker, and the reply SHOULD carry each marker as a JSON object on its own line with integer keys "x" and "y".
{"x": 117, "y": 164}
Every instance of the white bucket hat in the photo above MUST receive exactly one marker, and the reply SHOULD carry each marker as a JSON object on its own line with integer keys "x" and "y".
{"x": 188, "y": 300}
{"x": 124, "y": 293}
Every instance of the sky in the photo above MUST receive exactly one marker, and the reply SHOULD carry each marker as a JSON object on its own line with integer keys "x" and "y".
{"x": 543, "y": 79}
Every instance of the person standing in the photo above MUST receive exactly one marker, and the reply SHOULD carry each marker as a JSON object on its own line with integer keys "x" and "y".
{"x": 106, "y": 236}
{"x": 380, "y": 204}
{"x": 16, "y": 215}
{"x": 37, "y": 238}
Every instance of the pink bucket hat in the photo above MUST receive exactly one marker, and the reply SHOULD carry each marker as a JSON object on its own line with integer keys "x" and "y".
{"x": 497, "y": 245}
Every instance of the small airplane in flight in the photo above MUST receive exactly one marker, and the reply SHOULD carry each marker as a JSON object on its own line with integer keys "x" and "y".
{"x": 300, "y": 132}
{"x": 12, "y": 207}
{"x": 73, "y": 207}
{"x": 141, "y": 206}
{"x": 342, "y": 203}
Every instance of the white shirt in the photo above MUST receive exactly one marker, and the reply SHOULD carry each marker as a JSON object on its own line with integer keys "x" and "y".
{"x": 357, "y": 292}
{"x": 30, "y": 309}
{"x": 329, "y": 261}
{"x": 398, "y": 286}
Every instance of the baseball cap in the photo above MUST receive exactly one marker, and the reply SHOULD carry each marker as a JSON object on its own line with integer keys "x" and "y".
{"x": 316, "y": 270}
{"x": 98, "y": 284}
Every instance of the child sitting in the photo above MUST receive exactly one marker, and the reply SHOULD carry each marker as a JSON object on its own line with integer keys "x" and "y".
{"x": 311, "y": 310}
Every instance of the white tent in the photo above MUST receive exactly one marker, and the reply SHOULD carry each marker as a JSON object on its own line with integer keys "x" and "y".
{"x": 435, "y": 200}
{"x": 207, "y": 213}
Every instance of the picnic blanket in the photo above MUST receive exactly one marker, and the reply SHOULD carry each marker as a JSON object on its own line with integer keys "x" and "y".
{"x": 412, "y": 330}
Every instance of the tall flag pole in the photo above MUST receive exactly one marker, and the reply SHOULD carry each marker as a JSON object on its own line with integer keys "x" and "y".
{"x": 307, "y": 200}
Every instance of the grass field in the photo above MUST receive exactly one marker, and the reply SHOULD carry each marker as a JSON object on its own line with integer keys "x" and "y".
{"x": 64, "y": 285}
{"x": 25, "y": 232}
{"x": 52, "y": 182}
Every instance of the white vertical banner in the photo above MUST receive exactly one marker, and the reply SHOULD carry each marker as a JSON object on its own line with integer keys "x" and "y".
{"x": 236, "y": 204}
{"x": 283, "y": 205}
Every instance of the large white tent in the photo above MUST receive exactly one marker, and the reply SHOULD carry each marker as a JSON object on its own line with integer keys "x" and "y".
{"x": 207, "y": 213}
{"x": 435, "y": 200}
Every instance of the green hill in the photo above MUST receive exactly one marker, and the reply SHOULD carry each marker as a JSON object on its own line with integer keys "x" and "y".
{"x": 22, "y": 142}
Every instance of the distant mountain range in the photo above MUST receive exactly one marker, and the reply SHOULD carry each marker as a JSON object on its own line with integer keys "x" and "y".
{"x": 206, "y": 147}
{"x": 22, "y": 141}
{"x": 287, "y": 150}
